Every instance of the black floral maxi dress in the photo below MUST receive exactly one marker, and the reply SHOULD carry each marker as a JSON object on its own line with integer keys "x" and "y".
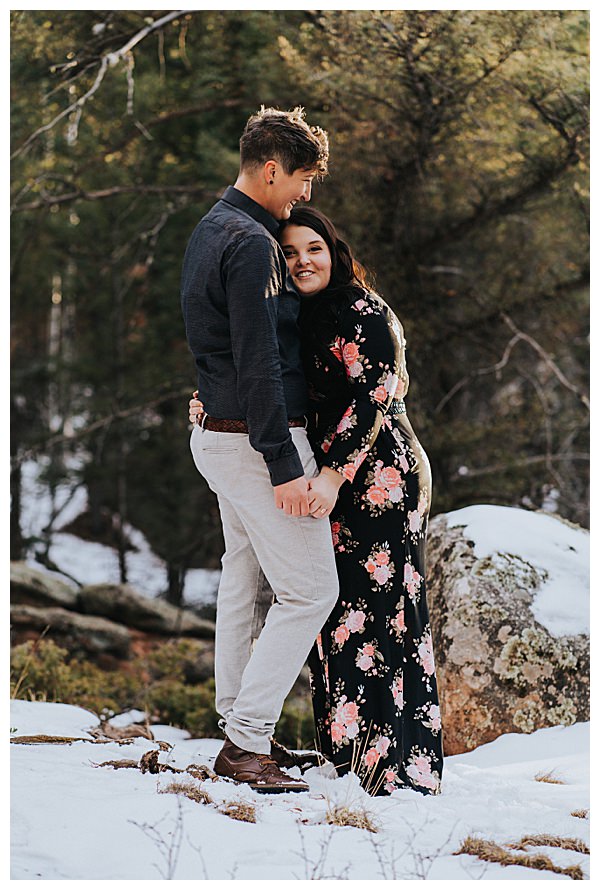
{"x": 372, "y": 668}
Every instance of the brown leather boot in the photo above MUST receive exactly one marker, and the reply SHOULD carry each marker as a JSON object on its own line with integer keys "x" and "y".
{"x": 258, "y": 771}
{"x": 287, "y": 759}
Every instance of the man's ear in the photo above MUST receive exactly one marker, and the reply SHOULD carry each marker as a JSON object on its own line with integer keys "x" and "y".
{"x": 270, "y": 171}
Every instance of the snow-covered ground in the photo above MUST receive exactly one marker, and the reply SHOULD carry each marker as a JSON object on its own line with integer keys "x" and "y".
{"x": 72, "y": 820}
{"x": 558, "y": 551}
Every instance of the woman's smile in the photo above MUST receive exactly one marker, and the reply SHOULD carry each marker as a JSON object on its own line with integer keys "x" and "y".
{"x": 308, "y": 259}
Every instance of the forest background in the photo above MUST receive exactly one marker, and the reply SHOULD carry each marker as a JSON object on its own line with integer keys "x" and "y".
{"x": 459, "y": 173}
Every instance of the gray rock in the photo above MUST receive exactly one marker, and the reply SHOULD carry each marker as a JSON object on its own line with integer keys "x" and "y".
{"x": 120, "y": 602}
{"x": 498, "y": 669}
{"x": 30, "y": 586}
{"x": 86, "y": 634}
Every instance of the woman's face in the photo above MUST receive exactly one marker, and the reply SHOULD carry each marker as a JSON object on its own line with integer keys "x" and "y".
{"x": 308, "y": 258}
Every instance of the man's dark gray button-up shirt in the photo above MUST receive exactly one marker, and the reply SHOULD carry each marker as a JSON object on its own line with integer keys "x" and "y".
{"x": 241, "y": 318}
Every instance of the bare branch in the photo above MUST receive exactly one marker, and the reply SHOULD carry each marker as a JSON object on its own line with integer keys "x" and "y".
{"x": 109, "y": 60}
{"x": 493, "y": 369}
{"x": 101, "y": 194}
{"x": 522, "y": 462}
{"x": 547, "y": 359}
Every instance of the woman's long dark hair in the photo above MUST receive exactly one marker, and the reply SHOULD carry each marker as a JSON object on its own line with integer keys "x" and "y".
{"x": 320, "y": 312}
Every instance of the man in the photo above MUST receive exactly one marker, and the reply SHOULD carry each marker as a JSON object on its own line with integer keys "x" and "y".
{"x": 241, "y": 313}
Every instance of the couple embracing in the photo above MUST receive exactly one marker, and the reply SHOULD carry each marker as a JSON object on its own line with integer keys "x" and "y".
{"x": 322, "y": 485}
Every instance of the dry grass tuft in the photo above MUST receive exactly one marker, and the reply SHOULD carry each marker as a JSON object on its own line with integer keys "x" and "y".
{"x": 201, "y": 772}
{"x": 580, "y": 814}
{"x": 238, "y": 809}
{"x": 45, "y": 740}
{"x": 489, "y": 851}
{"x": 351, "y": 818}
{"x": 549, "y": 778}
{"x": 189, "y": 790}
{"x": 118, "y": 764}
{"x": 551, "y": 840}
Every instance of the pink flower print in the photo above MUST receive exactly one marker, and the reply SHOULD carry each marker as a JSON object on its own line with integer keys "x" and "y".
{"x": 370, "y": 566}
{"x": 352, "y": 730}
{"x": 371, "y": 757}
{"x": 422, "y": 505}
{"x": 319, "y": 642}
{"x": 349, "y": 472}
{"x": 325, "y": 446}
{"x": 380, "y": 394}
{"x": 382, "y": 745}
{"x": 398, "y": 622}
{"x": 391, "y": 477}
{"x": 382, "y": 558}
{"x": 425, "y": 650}
{"x": 398, "y": 691}
{"x": 336, "y": 348}
{"x": 355, "y": 621}
{"x": 360, "y": 304}
{"x": 350, "y": 353}
{"x": 435, "y": 718}
{"x": 395, "y": 494}
{"x": 364, "y": 662}
{"x": 420, "y": 771}
{"x": 341, "y": 634}
{"x": 412, "y": 579}
{"x": 403, "y": 463}
{"x": 368, "y": 649}
{"x": 376, "y": 495}
{"x": 358, "y": 460}
{"x": 382, "y": 574}
{"x": 390, "y": 780}
{"x": 336, "y": 527}
{"x": 337, "y": 732}
{"x": 414, "y": 520}
{"x": 348, "y": 712}
{"x": 391, "y": 382}
{"x": 345, "y": 423}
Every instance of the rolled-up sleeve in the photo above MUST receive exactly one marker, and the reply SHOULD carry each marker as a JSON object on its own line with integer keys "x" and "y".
{"x": 252, "y": 278}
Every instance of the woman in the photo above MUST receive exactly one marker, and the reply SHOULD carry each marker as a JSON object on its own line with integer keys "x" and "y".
{"x": 372, "y": 668}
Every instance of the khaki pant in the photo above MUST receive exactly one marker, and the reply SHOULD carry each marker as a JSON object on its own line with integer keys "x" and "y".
{"x": 296, "y": 556}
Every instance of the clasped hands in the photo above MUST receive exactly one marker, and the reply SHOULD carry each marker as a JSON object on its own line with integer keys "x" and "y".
{"x": 314, "y": 497}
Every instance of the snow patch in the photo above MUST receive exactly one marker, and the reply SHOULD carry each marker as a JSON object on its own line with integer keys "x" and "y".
{"x": 64, "y": 810}
{"x": 550, "y": 545}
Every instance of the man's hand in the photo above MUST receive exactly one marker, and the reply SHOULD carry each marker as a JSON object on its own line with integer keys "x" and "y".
{"x": 196, "y": 409}
{"x": 292, "y": 497}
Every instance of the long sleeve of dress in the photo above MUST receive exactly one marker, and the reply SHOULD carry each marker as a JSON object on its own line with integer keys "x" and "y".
{"x": 370, "y": 343}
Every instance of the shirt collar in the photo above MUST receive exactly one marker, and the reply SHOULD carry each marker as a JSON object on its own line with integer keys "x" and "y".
{"x": 248, "y": 205}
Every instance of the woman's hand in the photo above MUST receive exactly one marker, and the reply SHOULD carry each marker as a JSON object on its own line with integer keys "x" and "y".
{"x": 323, "y": 491}
{"x": 196, "y": 408}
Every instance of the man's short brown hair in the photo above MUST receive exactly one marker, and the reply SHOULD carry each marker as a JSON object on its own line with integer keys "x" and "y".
{"x": 286, "y": 137}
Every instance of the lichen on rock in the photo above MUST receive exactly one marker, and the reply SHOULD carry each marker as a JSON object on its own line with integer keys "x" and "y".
{"x": 499, "y": 669}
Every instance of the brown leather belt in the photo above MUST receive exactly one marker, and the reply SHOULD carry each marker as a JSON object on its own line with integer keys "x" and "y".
{"x": 219, "y": 425}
